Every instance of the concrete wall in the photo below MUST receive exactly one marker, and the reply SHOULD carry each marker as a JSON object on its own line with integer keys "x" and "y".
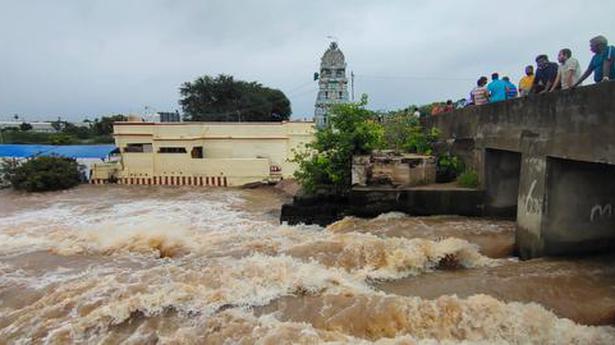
{"x": 401, "y": 170}
{"x": 239, "y": 152}
{"x": 572, "y": 125}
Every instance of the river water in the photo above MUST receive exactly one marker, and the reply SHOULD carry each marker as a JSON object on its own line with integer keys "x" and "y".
{"x": 155, "y": 265}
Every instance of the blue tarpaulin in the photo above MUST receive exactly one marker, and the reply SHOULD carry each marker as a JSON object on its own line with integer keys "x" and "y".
{"x": 71, "y": 151}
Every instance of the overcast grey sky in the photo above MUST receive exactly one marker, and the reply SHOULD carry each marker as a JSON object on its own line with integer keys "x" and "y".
{"x": 77, "y": 58}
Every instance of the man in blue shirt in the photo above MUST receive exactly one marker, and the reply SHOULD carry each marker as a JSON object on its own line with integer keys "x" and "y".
{"x": 511, "y": 89}
{"x": 497, "y": 89}
{"x": 602, "y": 64}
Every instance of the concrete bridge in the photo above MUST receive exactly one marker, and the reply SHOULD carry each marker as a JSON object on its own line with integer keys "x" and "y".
{"x": 547, "y": 159}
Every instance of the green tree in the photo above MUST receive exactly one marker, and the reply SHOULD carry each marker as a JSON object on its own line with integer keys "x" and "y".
{"x": 80, "y": 132}
{"x": 104, "y": 126}
{"x": 42, "y": 174}
{"x": 225, "y": 99}
{"x": 58, "y": 125}
{"x": 24, "y": 126}
{"x": 404, "y": 132}
{"x": 327, "y": 162}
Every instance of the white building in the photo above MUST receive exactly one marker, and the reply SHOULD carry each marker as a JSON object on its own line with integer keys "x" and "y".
{"x": 37, "y": 126}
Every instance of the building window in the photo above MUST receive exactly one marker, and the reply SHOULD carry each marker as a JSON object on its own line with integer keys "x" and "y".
{"x": 326, "y": 94}
{"x": 138, "y": 148}
{"x": 172, "y": 150}
{"x": 197, "y": 152}
{"x": 340, "y": 93}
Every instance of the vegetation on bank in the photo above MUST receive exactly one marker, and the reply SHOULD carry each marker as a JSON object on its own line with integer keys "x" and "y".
{"x": 223, "y": 98}
{"x": 327, "y": 162}
{"x": 404, "y": 133}
{"x": 468, "y": 179}
{"x": 448, "y": 167}
{"x": 99, "y": 131}
{"x": 354, "y": 130}
{"x": 41, "y": 174}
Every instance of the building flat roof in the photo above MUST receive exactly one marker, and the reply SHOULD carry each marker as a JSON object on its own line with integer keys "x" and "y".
{"x": 70, "y": 151}
{"x": 220, "y": 123}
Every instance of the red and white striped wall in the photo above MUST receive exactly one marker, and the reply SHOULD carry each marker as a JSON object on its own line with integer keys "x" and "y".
{"x": 215, "y": 181}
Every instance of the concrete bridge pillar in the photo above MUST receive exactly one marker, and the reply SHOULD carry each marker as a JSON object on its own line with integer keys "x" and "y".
{"x": 565, "y": 207}
{"x": 531, "y": 207}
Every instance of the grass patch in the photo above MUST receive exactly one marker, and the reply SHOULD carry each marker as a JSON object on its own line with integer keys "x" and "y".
{"x": 468, "y": 179}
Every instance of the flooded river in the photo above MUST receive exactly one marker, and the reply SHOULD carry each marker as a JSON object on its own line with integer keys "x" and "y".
{"x": 154, "y": 265}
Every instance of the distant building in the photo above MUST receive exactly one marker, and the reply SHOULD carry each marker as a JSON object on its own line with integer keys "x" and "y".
{"x": 37, "y": 126}
{"x": 204, "y": 153}
{"x": 333, "y": 84}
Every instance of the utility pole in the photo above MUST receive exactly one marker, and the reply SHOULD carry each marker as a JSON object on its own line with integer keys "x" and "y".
{"x": 352, "y": 85}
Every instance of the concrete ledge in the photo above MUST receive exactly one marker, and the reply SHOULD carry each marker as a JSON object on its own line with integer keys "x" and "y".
{"x": 367, "y": 203}
{"x": 420, "y": 202}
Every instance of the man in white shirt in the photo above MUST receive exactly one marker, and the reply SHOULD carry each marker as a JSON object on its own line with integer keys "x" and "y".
{"x": 569, "y": 70}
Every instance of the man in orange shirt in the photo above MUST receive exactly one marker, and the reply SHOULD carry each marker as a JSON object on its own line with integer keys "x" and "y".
{"x": 525, "y": 84}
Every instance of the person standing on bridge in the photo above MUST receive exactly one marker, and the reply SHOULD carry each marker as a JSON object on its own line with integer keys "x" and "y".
{"x": 497, "y": 89}
{"x": 569, "y": 70}
{"x": 602, "y": 64}
{"x": 545, "y": 74}
{"x": 525, "y": 84}
{"x": 511, "y": 89}
{"x": 479, "y": 94}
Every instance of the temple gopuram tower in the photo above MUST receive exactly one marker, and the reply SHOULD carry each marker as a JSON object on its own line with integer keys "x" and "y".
{"x": 333, "y": 84}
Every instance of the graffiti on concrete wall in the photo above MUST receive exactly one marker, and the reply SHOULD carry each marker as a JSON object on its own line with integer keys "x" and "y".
{"x": 533, "y": 205}
{"x": 601, "y": 212}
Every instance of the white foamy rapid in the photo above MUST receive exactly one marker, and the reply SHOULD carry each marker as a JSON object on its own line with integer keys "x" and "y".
{"x": 204, "y": 267}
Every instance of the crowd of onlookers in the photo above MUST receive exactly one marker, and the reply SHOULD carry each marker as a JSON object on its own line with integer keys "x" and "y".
{"x": 549, "y": 76}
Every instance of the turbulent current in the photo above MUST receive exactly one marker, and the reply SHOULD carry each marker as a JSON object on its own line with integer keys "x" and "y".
{"x": 154, "y": 265}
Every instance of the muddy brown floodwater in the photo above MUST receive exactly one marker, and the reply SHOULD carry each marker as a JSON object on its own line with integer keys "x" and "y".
{"x": 155, "y": 265}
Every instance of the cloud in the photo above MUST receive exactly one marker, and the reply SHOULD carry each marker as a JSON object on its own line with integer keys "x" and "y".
{"x": 90, "y": 58}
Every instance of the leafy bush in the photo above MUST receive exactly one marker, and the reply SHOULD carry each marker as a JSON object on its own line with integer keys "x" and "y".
{"x": 7, "y": 170}
{"x": 62, "y": 139}
{"x": 468, "y": 179}
{"x": 327, "y": 162}
{"x": 448, "y": 167}
{"x": 41, "y": 174}
{"x": 403, "y": 132}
